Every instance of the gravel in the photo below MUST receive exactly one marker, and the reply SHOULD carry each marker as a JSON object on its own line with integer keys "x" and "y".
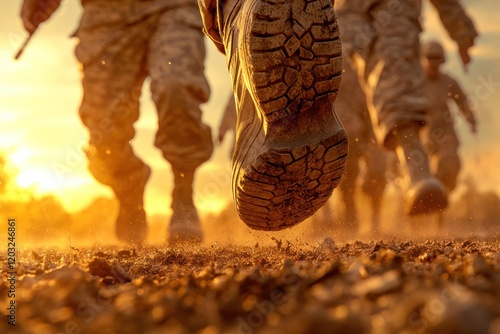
{"x": 397, "y": 286}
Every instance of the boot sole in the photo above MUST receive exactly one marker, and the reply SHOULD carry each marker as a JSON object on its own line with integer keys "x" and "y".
{"x": 294, "y": 64}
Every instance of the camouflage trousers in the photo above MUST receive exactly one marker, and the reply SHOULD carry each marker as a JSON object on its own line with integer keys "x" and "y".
{"x": 385, "y": 50}
{"x": 120, "y": 45}
{"x": 442, "y": 144}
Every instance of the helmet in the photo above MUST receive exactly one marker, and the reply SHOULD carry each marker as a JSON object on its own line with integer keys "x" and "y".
{"x": 433, "y": 50}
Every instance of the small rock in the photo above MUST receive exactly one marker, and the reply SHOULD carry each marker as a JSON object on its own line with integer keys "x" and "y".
{"x": 326, "y": 246}
{"x": 378, "y": 285}
{"x": 464, "y": 315}
{"x": 120, "y": 274}
{"x": 395, "y": 247}
{"x": 100, "y": 267}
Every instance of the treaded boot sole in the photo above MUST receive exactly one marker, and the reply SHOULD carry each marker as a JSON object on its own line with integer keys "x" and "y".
{"x": 293, "y": 70}
{"x": 425, "y": 197}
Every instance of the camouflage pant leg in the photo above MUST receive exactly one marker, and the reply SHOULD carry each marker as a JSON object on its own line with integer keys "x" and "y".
{"x": 375, "y": 181}
{"x": 113, "y": 73}
{"x": 351, "y": 108}
{"x": 178, "y": 85}
{"x": 442, "y": 144}
{"x": 347, "y": 186}
{"x": 390, "y": 67}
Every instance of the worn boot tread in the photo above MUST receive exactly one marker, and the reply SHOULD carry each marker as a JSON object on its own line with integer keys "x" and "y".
{"x": 292, "y": 54}
{"x": 299, "y": 59}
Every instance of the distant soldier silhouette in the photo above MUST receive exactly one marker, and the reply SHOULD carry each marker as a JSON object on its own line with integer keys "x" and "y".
{"x": 439, "y": 133}
{"x": 121, "y": 43}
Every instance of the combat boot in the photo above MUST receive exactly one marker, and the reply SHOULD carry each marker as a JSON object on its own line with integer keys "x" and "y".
{"x": 285, "y": 61}
{"x": 185, "y": 224}
{"x": 131, "y": 225}
{"x": 426, "y": 194}
{"x": 448, "y": 167}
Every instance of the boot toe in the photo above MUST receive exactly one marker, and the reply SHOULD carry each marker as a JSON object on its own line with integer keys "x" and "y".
{"x": 425, "y": 197}
{"x": 131, "y": 226}
{"x": 185, "y": 227}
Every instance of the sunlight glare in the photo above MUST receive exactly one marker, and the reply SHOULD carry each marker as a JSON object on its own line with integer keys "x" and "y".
{"x": 38, "y": 179}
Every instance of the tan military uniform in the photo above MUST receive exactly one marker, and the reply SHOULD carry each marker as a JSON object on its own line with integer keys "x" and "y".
{"x": 382, "y": 36}
{"x": 439, "y": 133}
{"x": 121, "y": 44}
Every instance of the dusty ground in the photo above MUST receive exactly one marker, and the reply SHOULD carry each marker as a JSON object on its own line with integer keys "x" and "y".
{"x": 434, "y": 286}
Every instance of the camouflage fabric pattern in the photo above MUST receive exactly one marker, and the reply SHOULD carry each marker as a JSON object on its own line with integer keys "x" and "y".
{"x": 120, "y": 45}
{"x": 382, "y": 37}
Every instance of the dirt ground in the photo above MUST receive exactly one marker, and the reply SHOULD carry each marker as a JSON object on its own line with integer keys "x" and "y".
{"x": 396, "y": 286}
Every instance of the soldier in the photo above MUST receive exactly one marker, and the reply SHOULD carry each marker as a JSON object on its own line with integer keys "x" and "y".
{"x": 121, "y": 43}
{"x": 285, "y": 61}
{"x": 353, "y": 112}
{"x": 439, "y": 133}
{"x": 382, "y": 38}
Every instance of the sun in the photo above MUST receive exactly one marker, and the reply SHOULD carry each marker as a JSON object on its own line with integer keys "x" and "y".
{"x": 38, "y": 179}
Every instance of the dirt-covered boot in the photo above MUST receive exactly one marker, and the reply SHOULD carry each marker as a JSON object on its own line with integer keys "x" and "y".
{"x": 185, "y": 224}
{"x": 131, "y": 225}
{"x": 285, "y": 61}
{"x": 426, "y": 194}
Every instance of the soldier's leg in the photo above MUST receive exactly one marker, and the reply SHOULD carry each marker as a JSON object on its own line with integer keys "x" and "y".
{"x": 375, "y": 181}
{"x": 347, "y": 188}
{"x": 285, "y": 63}
{"x": 394, "y": 82}
{"x": 178, "y": 85}
{"x": 446, "y": 166}
{"x": 113, "y": 73}
{"x": 426, "y": 194}
{"x": 442, "y": 144}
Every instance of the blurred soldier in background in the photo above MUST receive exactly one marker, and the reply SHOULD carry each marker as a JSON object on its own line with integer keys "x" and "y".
{"x": 353, "y": 112}
{"x": 382, "y": 38}
{"x": 439, "y": 133}
{"x": 121, "y": 43}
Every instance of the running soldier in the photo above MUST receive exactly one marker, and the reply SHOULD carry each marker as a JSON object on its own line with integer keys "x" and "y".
{"x": 121, "y": 43}
{"x": 382, "y": 39}
{"x": 439, "y": 133}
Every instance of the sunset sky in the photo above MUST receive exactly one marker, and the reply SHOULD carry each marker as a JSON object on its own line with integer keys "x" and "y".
{"x": 42, "y": 135}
